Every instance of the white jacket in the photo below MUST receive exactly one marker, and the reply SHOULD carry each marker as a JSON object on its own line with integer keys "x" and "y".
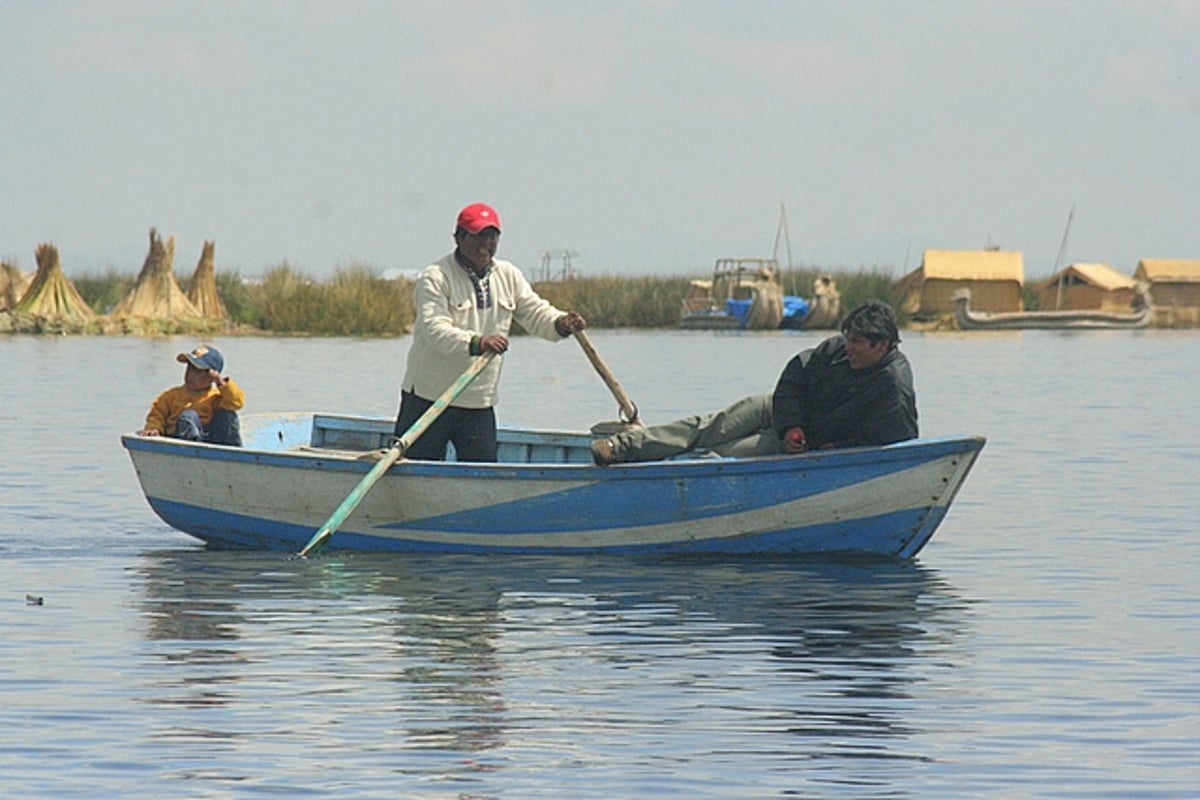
{"x": 447, "y": 320}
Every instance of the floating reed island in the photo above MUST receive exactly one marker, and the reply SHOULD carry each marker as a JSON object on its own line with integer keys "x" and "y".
{"x": 356, "y": 301}
{"x": 353, "y": 302}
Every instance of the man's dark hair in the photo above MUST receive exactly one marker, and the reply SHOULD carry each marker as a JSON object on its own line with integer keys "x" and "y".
{"x": 873, "y": 320}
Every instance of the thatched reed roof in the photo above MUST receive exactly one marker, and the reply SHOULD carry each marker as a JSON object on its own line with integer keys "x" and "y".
{"x": 1100, "y": 275}
{"x": 51, "y": 295}
{"x": 203, "y": 292}
{"x": 1169, "y": 270}
{"x": 157, "y": 295}
{"x": 975, "y": 265}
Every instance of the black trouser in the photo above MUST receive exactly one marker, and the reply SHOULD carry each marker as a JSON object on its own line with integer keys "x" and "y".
{"x": 472, "y": 431}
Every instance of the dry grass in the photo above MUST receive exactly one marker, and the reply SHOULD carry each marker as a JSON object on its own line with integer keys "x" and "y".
{"x": 355, "y": 302}
{"x": 656, "y": 302}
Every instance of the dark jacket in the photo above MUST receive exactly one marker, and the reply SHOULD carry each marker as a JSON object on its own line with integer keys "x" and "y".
{"x": 838, "y": 406}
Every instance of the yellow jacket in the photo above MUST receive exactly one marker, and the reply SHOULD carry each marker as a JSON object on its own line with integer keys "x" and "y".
{"x": 166, "y": 408}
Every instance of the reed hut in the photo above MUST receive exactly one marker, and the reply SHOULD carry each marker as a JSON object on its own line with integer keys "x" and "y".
{"x": 157, "y": 295}
{"x": 1082, "y": 287}
{"x": 51, "y": 296}
{"x": 1175, "y": 289}
{"x": 203, "y": 291}
{"x": 13, "y": 284}
{"x": 993, "y": 276}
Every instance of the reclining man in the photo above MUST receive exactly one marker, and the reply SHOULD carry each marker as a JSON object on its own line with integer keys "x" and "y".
{"x": 853, "y": 389}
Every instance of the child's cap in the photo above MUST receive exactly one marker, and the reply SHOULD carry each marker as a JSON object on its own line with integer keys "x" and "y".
{"x": 203, "y": 357}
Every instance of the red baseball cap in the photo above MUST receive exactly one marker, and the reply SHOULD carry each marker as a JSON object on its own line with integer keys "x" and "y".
{"x": 478, "y": 216}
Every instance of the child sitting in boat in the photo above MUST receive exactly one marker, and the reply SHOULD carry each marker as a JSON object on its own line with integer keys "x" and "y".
{"x": 204, "y": 408}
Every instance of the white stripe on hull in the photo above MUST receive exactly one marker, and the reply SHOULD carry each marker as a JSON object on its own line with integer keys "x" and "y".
{"x": 306, "y": 497}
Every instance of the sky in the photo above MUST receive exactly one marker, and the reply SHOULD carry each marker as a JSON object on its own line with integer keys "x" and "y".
{"x": 649, "y": 138}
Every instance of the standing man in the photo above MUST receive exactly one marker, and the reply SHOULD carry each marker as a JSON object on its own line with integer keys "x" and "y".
{"x": 851, "y": 390}
{"x": 465, "y": 306}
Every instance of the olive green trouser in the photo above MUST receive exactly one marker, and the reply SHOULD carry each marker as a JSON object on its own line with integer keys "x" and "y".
{"x": 740, "y": 429}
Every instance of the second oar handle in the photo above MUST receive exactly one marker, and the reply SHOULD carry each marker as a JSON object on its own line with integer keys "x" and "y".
{"x": 629, "y": 412}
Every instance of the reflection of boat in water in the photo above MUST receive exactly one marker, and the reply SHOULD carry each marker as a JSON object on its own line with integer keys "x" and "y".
{"x": 196, "y": 594}
{"x": 545, "y": 495}
{"x": 968, "y": 320}
{"x": 471, "y": 655}
{"x": 745, "y": 294}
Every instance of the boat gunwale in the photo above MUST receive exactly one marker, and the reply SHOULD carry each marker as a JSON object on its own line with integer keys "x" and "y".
{"x": 345, "y": 461}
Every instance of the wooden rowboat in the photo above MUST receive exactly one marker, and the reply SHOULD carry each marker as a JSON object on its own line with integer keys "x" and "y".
{"x": 545, "y": 495}
{"x": 968, "y": 320}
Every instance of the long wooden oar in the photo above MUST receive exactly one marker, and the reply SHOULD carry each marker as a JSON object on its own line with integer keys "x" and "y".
{"x": 629, "y": 412}
{"x": 394, "y": 454}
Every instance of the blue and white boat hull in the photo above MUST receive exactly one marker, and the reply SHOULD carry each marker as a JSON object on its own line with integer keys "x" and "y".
{"x": 545, "y": 496}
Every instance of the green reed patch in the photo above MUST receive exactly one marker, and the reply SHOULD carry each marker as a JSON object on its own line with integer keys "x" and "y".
{"x": 353, "y": 303}
{"x": 356, "y": 302}
{"x": 657, "y": 302}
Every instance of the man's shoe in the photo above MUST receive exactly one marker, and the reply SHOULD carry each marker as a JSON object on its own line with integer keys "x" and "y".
{"x": 603, "y": 452}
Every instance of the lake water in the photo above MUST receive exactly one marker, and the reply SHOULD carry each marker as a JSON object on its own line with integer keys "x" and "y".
{"x": 1045, "y": 644}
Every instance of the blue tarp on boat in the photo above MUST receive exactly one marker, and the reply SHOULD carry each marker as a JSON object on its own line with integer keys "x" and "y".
{"x": 794, "y": 307}
{"x": 739, "y": 309}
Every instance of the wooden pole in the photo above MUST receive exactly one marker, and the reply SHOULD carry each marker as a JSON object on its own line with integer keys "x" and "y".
{"x": 394, "y": 454}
